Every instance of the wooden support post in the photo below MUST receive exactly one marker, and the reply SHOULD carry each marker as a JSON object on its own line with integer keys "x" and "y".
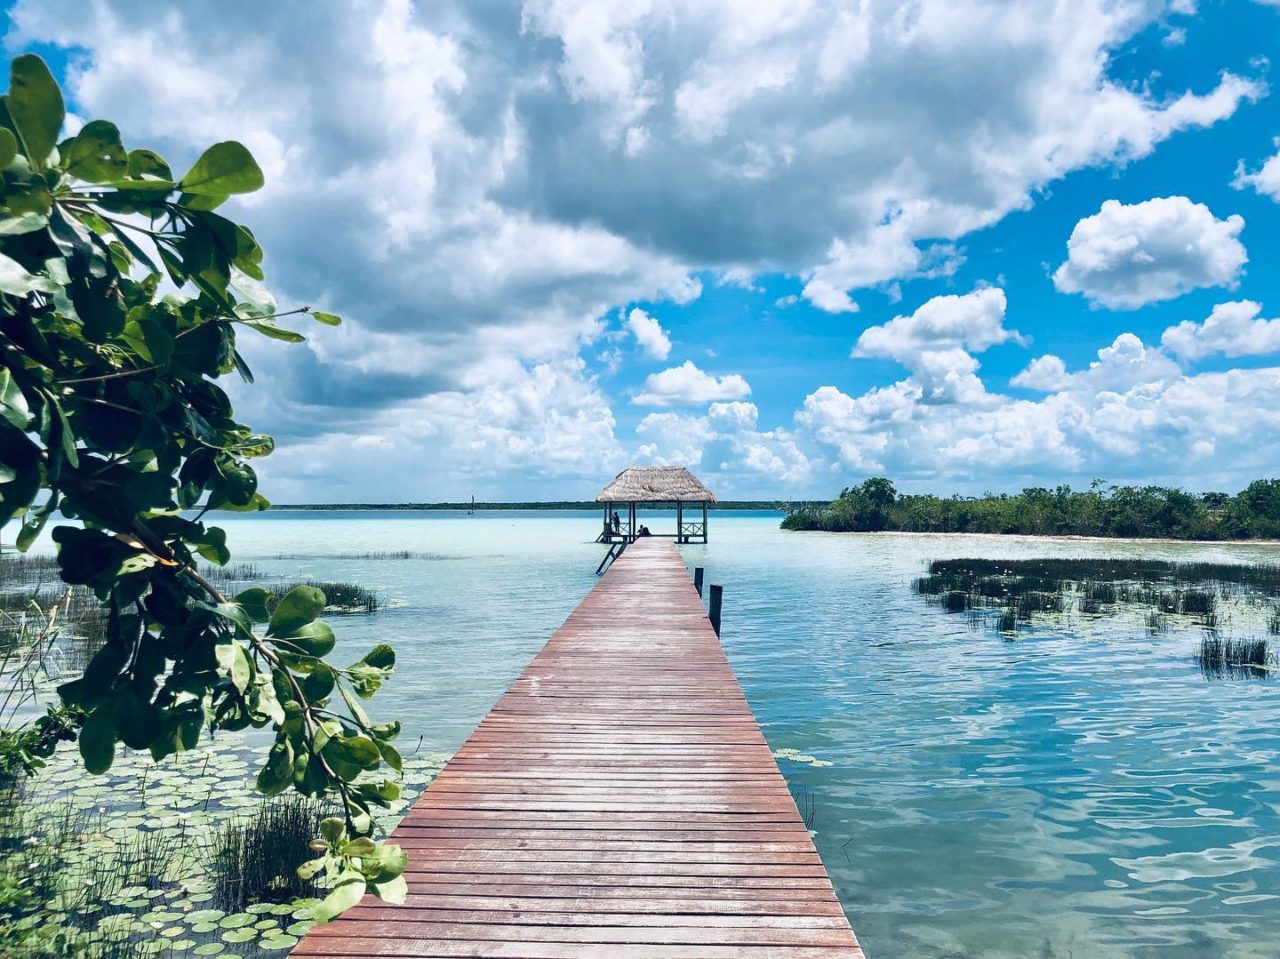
{"x": 717, "y": 599}
{"x": 679, "y": 522}
{"x": 697, "y": 579}
{"x": 704, "y": 522}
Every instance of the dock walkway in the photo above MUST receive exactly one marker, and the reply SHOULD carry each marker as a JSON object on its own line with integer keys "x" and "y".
{"x": 618, "y": 801}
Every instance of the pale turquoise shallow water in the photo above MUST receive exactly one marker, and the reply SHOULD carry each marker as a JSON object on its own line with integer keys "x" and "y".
{"x": 1057, "y": 796}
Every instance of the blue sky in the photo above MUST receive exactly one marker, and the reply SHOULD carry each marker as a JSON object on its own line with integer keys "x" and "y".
{"x": 969, "y": 245}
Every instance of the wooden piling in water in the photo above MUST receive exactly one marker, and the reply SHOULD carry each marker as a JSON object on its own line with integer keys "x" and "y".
{"x": 715, "y": 606}
{"x": 697, "y": 578}
{"x": 618, "y": 801}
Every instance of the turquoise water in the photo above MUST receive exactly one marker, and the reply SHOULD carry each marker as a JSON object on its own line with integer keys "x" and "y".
{"x": 1062, "y": 795}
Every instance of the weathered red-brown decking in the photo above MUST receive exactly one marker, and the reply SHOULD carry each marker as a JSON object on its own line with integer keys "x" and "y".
{"x": 619, "y": 801}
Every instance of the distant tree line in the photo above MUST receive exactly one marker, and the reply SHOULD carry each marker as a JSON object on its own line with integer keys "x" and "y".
{"x": 1128, "y": 511}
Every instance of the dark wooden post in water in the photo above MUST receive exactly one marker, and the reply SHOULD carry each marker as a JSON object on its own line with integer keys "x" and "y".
{"x": 717, "y": 598}
{"x": 619, "y": 801}
{"x": 697, "y": 579}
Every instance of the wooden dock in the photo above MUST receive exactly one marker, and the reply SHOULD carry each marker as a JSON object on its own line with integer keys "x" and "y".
{"x": 618, "y": 801}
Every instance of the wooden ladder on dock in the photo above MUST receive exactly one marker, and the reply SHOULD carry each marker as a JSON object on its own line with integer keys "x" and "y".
{"x": 618, "y": 801}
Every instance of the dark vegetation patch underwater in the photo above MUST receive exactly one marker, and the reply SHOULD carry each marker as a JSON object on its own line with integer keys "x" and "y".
{"x": 1013, "y": 595}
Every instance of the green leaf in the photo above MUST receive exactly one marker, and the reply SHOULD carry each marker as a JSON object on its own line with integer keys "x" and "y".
{"x": 13, "y": 405}
{"x": 353, "y": 704}
{"x": 32, "y": 527}
{"x": 320, "y": 683}
{"x": 347, "y": 893}
{"x": 332, "y": 829}
{"x": 390, "y": 755}
{"x": 312, "y": 639}
{"x": 96, "y": 155}
{"x": 254, "y": 602}
{"x": 276, "y": 332}
{"x": 98, "y": 741}
{"x": 328, "y": 319}
{"x": 234, "y": 482}
{"x": 137, "y": 721}
{"x": 25, "y": 223}
{"x": 381, "y": 656}
{"x": 222, "y": 170}
{"x": 258, "y": 502}
{"x": 312, "y": 868}
{"x": 363, "y": 846}
{"x": 300, "y": 606}
{"x": 391, "y": 862}
{"x": 241, "y": 669}
{"x": 277, "y": 775}
{"x": 351, "y": 755}
{"x": 212, "y": 545}
{"x": 8, "y": 147}
{"x": 35, "y": 106}
{"x": 15, "y": 279}
{"x": 393, "y": 890}
{"x": 148, "y": 163}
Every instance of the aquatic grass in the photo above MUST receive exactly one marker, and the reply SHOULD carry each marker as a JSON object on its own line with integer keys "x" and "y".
{"x": 1264, "y": 577}
{"x": 232, "y": 573}
{"x": 1225, "y": 658}
{"x": 1030, "y": 603}
{"x": 339, "y": 597}
{"x": 806, "y": 804}
{"x": 26, "y": 569}
{"x": 931, "y": 585}
{"x": 1100, "y": 592}
{"x": 1167, "y": 593}
{"x": 256, "y": 858}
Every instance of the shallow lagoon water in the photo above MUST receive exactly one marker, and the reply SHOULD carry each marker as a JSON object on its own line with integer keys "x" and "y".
{"x": 1061, "y": 795}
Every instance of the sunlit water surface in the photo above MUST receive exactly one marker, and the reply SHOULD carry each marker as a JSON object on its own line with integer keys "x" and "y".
{"x": 1060, "y": 795}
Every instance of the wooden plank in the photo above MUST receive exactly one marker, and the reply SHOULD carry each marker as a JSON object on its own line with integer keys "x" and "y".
{"x": 618, "y": 801}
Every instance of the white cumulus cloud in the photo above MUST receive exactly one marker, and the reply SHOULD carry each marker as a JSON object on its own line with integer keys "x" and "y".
{"x": 649, "y": 334}
{"x": 479, "y": 188}
{"x": 1127, "y": 255}
{"x": 728, "y": 447}
{"x": 1233, "y": 329}
{"x": 974, "y": 321}
{"x": 687, "y": 385}
{"x": 1266, "y": 179}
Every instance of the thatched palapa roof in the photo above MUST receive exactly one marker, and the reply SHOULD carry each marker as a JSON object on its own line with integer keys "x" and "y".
{"x": 655, "y": 484}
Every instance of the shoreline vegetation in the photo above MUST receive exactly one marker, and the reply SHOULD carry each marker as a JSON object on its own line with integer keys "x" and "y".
{"x": 1113, "y": 512}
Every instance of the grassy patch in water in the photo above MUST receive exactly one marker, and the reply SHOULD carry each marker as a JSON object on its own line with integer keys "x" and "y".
{"x": 255, "y": 858}
{"x": 1156, "y": 596}
{"x": 1221, "y": 658}
{"x": 339, "y": 597}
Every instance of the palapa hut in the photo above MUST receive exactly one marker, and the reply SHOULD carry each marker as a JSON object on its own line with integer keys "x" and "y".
{"x": 655, "y": 486}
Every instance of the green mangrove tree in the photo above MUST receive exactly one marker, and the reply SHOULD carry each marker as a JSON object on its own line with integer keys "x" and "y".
{"x": 1128, "y": 511}
{"x": 122, "y": 293}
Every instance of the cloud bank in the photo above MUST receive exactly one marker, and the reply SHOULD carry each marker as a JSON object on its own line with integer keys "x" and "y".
{"x": 479, "y": 188}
